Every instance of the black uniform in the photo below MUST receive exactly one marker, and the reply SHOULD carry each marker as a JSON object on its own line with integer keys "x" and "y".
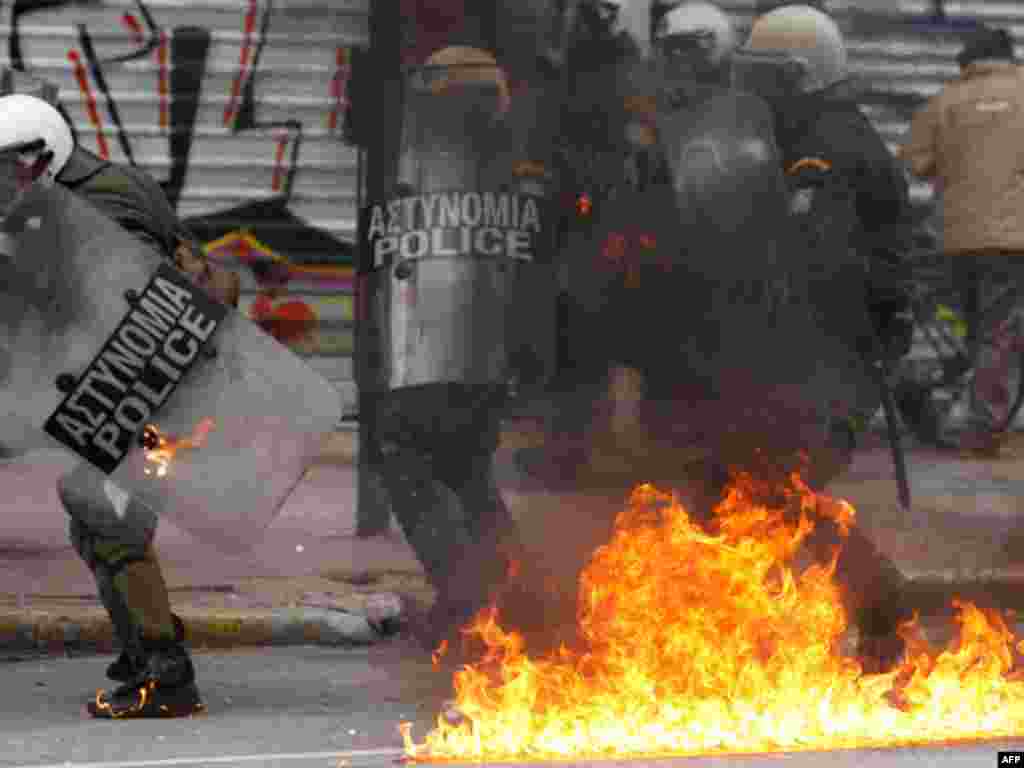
{"x": 831, "y": 127}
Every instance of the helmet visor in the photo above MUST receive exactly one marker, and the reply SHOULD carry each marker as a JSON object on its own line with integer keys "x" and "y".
{"x": 20, "y": 166}
{"x": 772, "y": 75}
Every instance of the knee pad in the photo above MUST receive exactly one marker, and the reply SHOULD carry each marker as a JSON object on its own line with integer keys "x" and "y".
{"x": 96, "y": 505}
{"x": 105, "y": 557}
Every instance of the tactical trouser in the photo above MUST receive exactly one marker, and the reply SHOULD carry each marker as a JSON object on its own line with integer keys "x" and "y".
{"x": 436, "y": 444}
{"x": 113, "y": 534}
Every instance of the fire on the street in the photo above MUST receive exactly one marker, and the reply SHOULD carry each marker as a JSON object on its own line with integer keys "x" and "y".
{"x": 160, "y": 449}
{"x": 702, "y": 644}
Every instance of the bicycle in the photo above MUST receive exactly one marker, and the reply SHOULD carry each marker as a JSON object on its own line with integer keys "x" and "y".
{"x": 939, "y": 367}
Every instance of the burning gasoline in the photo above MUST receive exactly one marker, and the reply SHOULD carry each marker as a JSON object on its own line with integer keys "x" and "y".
{"x": 696, "y": 641}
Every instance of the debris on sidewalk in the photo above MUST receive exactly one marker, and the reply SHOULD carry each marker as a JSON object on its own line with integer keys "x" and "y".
{"x": 309, "y": 610}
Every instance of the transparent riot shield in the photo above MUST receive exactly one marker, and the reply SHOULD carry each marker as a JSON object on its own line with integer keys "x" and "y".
{"x": 462, "y": 287}
{"x": 767, "y": 319}
{"x": 725, "y": 197}
{"x": 163, "y": 393}
{"x": 726, "y": 176}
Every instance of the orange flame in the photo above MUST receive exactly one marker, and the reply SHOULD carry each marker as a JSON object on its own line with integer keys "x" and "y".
{"x": 163, "y": 454}
{"x": 144, "y": 691}
{"x": 711, "y": 643}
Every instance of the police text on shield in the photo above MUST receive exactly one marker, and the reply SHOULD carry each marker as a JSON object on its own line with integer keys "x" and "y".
{"x": 137, "y": 370}
{"x": 490, "y": 224}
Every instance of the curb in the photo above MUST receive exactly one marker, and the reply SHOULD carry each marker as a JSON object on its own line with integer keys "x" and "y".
{"x": 53, "y": 634}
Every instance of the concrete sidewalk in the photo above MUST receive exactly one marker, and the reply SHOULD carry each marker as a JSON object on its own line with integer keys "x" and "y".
{"x": 308, "y": 579}
{"x": 311, "y": 580}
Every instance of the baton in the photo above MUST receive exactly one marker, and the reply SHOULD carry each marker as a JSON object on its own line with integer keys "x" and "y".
{"x": 899, "y": 458}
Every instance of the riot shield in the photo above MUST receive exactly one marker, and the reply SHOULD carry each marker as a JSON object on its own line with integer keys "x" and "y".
{"x": 727, "y": 178}
{"x": 764, "y": 319}
{"x": 462, "y": 286}
{"x": 165, "y": 393}
{"x": 731, "y": 236}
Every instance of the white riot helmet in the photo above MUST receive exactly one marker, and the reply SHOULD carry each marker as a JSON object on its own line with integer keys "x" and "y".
{"x": 460, "y": 66}
{"x": 806, "y": 34}
{"x": 701, "y": 22}
{"x": 32, "y": 127}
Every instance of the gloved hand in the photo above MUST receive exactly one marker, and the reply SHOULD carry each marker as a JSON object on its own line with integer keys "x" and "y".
{"x": 220, "y": 283}
{"x": 889, "y": 291}
{"x": 893, "y": 324}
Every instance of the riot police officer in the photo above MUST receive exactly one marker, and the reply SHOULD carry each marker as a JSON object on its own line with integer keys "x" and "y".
{"x": 109, "y": 529}
{"x": 437, "y": 398}
{"x": 822, "y": 120}
{"x": 664, "y": 97}
{"x": 732, "y": 229}
{"x": 818, "y": 123}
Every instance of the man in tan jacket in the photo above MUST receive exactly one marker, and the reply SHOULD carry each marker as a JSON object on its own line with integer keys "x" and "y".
{"x": 970, "y": 139}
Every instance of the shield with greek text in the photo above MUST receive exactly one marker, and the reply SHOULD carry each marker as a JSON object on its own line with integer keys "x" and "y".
{"x": 458, "y": 280}
{"x": 113, "y": 356}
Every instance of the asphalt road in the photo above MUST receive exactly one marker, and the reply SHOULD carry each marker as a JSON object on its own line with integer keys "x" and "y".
{"x": 298, "y": 708}
{"x": 303, "y": 707}
{"x": 298, "y": 701}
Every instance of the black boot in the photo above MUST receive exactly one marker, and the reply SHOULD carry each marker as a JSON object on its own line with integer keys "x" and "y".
{"x": 880, "y": 646}
{"x": 872, "y": 586}
{"x": 164, "y": 686}
{"x": 874, "y": 594}
{"x": 126, "y": 668}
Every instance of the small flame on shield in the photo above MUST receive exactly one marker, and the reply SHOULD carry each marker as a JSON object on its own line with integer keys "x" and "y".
{"x": 160, "y": 449}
